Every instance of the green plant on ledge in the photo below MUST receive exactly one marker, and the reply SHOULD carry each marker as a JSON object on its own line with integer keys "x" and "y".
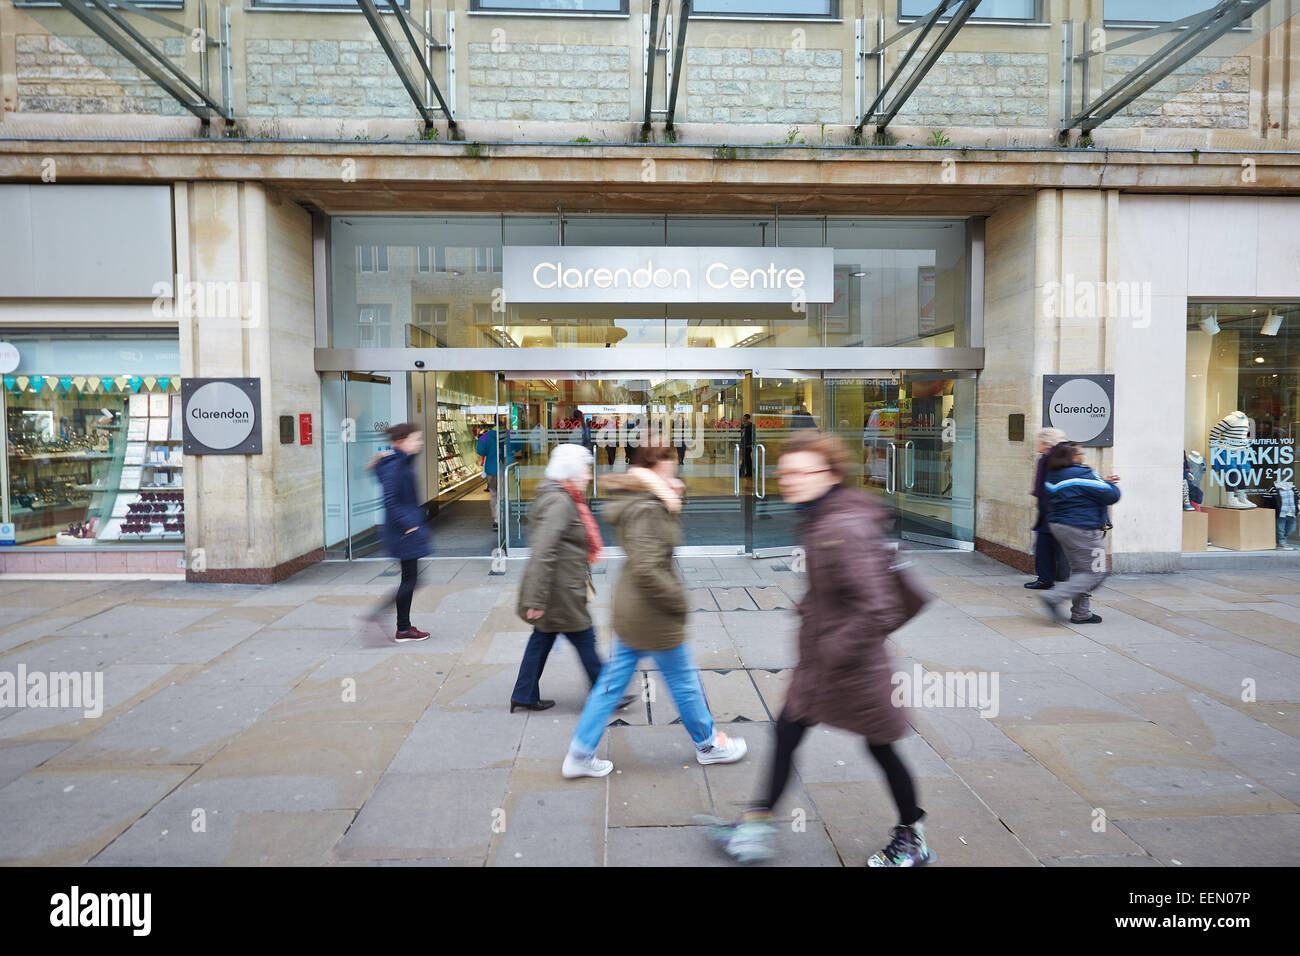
{"x": 429, "y": 135}
{"x": 581, "y": 139}
{"x": 1085, "y": 141}
{"x": 939, "y": 137}
{"x": 724, "y": 152}
{"x": 473, "y": 150}
{"x": 883, "y": 137}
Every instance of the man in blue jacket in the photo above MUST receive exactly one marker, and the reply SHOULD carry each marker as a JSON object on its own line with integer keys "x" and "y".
{"x": 489, "y": 449}
{"x": 1078, "y": 516}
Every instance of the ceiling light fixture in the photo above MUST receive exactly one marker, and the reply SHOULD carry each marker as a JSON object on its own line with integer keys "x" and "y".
{"x": 1210, "y": 324}
{"x": 1271, "y": 324}
{"x": 1259, "y": 360}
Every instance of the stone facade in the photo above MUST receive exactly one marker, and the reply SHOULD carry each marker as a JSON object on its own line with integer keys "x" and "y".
{"x": 555, "y": 82}
{"x": 82, "y": 74}
{"x": 1208, "y": 92}
{"x": 765, "y": 85}
{"x": 982, "y": 89}
{"x": 323, "y": 78}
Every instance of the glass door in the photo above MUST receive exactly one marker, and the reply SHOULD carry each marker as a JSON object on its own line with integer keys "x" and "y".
{"x": 782, "y": 405}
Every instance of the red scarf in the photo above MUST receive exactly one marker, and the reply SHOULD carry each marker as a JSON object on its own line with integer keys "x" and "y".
{"x": 594, "y": 544}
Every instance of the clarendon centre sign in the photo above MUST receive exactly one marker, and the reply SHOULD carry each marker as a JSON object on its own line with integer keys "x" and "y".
{"x": 667, "y": 274}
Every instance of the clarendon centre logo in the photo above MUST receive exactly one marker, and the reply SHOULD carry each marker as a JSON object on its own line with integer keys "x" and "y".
{"x": 718, "y": 275}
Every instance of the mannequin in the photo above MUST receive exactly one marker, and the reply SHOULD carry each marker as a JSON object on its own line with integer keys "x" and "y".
{"x": 1230, "y": 439}
{"x": 1283, "y": 500}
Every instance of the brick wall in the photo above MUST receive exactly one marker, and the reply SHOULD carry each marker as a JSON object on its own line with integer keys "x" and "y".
{"x": 323, "y": 78}
{"x": 84, "y": 75}
{"x": 734, "y": 85}
{"x": 1208, "y": 92}
{"x": 981, "y": 89}
{"x": 530, "y": 81}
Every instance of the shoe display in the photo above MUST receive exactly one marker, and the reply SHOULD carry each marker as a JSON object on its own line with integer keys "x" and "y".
{"x": 410, "y": 634}
{"x": 540, "y": 705}
{"x": 907, "y": 847}
{"x": 724, "y": 749}
{"x": 575, "y": 766}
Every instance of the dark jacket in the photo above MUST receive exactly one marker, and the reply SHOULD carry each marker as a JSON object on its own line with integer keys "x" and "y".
{"x": 1039, "y": 492}
{"x": 402, "y": 507}
{"x": 844, "y": 675}
{"x": 1077, "y": 496}
{"x": 557, "y": 574}
{"x": 649, "y": 598}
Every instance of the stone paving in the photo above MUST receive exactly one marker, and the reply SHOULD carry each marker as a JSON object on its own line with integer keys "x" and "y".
{"x": 267, "y": 725}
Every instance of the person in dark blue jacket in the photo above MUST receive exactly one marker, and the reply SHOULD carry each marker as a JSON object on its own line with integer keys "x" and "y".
{"x": 1078, "y": 516}
{"x": 404, "y": 531}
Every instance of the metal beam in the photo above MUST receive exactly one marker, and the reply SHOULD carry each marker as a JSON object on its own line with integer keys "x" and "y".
{"x": 424, "y": 65}
{"x": 651, "y": 54}
{"x": 1204, "y": 29}
{"x": 371, "y": 13}
{"x": 948, "y": 34}
{"x": 685, "y": 16}
{"x": 144, "y": 56}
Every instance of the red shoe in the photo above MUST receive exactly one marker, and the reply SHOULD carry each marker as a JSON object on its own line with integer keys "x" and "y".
{"x": 411, "y": 634}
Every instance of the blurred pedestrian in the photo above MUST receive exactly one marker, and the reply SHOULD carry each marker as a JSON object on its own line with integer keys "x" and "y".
{"x": 1048, "y": 558}
{"x": 844, "y": 676}
{"x": 1078, "y": 517}
{"x": 649, "y": 615}
{"x": 802, "y": 418}
{"x": 489, "y": 449}
{"x": 404, "y": 532}
{"x": 556, "y": 587}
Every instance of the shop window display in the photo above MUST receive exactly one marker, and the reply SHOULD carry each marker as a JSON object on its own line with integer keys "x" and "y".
{"x": 93, "y": 459}
{"x": 1243, "y": 399}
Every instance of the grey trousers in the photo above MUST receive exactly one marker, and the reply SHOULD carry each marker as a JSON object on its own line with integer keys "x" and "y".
{"x": 1085, "y": 550}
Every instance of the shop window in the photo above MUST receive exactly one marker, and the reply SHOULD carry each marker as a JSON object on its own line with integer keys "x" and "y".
{"x": 1242, "y": 402}
{"x": 1029, "y": 10}
{"x": 93, "y": 459}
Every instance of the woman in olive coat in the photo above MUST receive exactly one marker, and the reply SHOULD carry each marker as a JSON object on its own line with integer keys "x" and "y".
{"x": 564, "y": 542}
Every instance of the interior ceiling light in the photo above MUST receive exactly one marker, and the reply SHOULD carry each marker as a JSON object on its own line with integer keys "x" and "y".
{"x": 1210, "y": 324}
{"x": 1271, "y": 324}
{"x": 1259, "y": 360}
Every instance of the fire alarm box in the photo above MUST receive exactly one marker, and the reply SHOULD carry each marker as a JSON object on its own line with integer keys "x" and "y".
{"x": 304, "y": 428}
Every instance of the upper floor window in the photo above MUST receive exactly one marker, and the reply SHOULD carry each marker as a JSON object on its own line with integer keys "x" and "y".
{"x": 767, "y": 8}
{"x": 548, "y": 6}
{"x": 487, "y": 259}
{"x": 372, "y": 258}
{"x": 349, "y": 5}
{"x": 1154, "y": 11}
{"x": 988, "y": 10}
{"x": 432, "y": 259}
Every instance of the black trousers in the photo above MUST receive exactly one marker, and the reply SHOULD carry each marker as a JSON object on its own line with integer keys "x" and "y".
{"x": 406, "y": 591}
{"x": 789, "y": 733}
{"x": 746, "y": 462}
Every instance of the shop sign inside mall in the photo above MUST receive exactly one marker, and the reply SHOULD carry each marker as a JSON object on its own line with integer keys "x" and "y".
{"x": 668, "y": 274}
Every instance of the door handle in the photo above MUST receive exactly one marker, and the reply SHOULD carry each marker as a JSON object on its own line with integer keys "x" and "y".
{"x": 735, "y": 455}
{"x": 910, "y": 473}
{"x": 761, "y": 491}
{"x": 891, "y": 455}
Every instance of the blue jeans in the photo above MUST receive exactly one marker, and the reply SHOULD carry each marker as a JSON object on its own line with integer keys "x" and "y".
{"x": 680, "y": 674}
{"x": 1285, "y": 528}
{"x": 527, "y": 689}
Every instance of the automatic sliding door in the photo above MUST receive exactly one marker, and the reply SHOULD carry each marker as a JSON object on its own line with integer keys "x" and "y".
{"x": 936, "y": 461}
{"x": 781, "y": 406}
{"x": 701, "y": 418}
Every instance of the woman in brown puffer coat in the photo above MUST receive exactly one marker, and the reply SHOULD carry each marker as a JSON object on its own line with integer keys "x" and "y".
{"x": 845, "y": 673}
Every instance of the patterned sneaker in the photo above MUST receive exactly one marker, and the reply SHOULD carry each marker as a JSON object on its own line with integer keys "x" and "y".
{"x": 724, "y": 749}
{"x": 749, "y": 839}
{"x": 906, "y": 848}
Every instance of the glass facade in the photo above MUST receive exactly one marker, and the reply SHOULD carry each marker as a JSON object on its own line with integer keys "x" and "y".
{"x": 436, "y": 283}
{"x": 92, "y": 451}
{"x": 1242, "y": 403}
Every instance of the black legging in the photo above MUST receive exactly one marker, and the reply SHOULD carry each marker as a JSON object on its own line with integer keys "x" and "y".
{"x": 788, "y": 735}
{"x": 406, "y": 591}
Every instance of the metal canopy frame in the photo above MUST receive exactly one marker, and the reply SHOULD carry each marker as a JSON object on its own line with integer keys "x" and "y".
{"x": 923, "y": 27}
{"x": 104, "y": 20}
{"x": 1194, "y": 34}
{"x": 409, "y": 27}
{"x": 651, "y": 34}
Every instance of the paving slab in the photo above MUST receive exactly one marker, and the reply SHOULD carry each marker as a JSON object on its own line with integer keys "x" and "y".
{"x": 656, "y": 779}
{"x": 690, "y": 846}
{"x": 1219, "y": 840}
{"x": 549, "y": 827}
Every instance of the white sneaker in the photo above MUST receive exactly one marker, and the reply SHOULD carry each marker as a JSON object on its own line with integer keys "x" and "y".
{"x": 724, "y": 750}
{"x": 575, "y": 766}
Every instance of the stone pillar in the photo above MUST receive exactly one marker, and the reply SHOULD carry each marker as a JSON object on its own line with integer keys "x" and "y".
{"x": 250, "y": 518}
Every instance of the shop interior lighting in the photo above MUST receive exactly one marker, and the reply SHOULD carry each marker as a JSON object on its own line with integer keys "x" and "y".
{"x": 1259, "y": 360}
{"x": 1210, "y": 324}
{"x": 1271, "y": 324}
